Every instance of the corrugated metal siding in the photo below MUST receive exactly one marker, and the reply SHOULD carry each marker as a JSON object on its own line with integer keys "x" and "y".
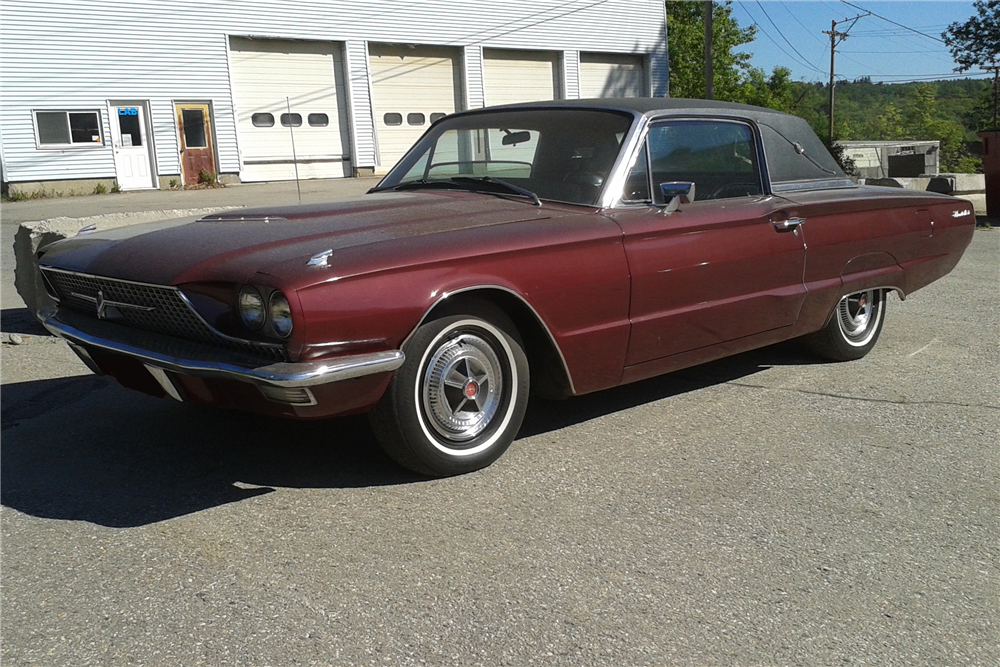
{"x": 571, "y": 75}
{"x": 52, "y": 58}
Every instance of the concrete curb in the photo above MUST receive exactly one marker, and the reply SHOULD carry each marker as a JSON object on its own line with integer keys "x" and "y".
{"x": 33, "y": 235}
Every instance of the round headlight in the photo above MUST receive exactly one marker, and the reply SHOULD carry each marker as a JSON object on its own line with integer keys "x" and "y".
{"x": 251, "y": 307}
{"x": 281, "y": 314}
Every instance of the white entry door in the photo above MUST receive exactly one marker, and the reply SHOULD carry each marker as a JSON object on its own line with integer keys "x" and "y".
{"x": 131, "y": 145}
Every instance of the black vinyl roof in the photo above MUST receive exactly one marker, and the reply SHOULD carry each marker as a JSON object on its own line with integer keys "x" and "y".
{"x": 796, "y": 157}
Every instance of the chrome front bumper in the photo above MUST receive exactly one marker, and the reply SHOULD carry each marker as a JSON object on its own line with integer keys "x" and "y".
{"x": 190, "y": 358}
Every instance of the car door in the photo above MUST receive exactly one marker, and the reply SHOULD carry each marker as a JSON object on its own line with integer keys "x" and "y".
{"x": 728, "y": 264}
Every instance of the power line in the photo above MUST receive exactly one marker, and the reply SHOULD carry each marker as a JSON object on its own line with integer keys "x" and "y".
{"x": 782, "y": 34}
{"x": 780, "y": 48}
{"x": 807, "y": 30}
{"x": 924, "y": 34}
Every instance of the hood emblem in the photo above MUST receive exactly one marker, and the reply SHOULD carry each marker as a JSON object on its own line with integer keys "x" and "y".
{"x": 320, "y": 259}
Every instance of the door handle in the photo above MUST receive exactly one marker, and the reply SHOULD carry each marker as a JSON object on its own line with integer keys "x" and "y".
{"x": 789, "y": 224}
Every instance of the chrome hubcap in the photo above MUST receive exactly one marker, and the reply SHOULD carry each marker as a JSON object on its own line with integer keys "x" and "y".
{"x": 462, "y": 387}
{"x": 856, "y": 312}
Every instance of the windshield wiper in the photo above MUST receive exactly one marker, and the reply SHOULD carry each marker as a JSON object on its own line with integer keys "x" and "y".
{"x": 418, "y": 184}
{"x": 510, "y": 187}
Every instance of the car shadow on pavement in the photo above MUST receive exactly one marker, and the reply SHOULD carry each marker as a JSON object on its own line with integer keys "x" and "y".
{"x": 544, "y": 416}
{"x": 20, "y": 321}
{"x": 85, "y": 449}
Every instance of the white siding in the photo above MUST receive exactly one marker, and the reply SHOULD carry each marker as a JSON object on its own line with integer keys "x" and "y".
{"x": 571, "y": 75}
{"x": 475, "y": 95}
{"x": 77, "y": 54}
{"x": 359, "y": 95}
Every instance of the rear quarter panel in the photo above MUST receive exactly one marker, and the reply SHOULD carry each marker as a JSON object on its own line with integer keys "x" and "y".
{"x": 876, "y": 237}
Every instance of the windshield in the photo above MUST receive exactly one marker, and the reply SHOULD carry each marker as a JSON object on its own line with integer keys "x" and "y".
{"x": 559, "y": 154}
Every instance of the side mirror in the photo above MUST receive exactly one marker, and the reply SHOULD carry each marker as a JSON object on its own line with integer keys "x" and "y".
{"x": 675, "y": 193}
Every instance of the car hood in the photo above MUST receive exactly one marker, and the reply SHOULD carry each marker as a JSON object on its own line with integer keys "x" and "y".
{"x": 236, "y": 245}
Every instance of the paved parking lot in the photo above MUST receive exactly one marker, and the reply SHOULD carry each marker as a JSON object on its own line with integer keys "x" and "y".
{"x": 761, "y": 510}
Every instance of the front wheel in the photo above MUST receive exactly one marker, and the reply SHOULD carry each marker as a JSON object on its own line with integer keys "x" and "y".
{"x": 853, "y": 329}
{"x": 458, "y": 400}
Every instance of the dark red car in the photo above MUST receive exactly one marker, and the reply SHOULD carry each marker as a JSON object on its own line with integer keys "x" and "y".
{"x": 548, "y": 249}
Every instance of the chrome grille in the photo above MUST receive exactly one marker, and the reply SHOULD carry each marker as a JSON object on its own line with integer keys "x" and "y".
{"x": 157, "y": 308}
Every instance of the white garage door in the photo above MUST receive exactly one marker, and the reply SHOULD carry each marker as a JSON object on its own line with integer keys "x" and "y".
{"x": 520, "y": 76}
{"x": 411, "y": 87}
{"x": 310, "y": 75}
{"x": 612, "y": 75}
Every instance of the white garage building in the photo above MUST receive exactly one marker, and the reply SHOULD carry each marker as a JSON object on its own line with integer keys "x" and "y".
{"x": 148, "y": 94}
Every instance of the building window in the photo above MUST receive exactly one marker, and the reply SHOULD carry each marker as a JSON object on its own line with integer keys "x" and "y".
{"x": 318, "y": 120}
{"x": 68, "y": 128}
{"x": 262, "y": 120}
{"x": 393, "y": 119}
{"x": 194, "y": 128}
{"x": 293, "y": 119}
{"x": 415, "y": 119}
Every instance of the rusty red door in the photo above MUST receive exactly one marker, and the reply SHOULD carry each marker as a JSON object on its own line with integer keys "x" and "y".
{"x": 194, "y": 122}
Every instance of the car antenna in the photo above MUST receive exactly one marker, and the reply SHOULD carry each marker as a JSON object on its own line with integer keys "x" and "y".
{"x": 295, "y": 160}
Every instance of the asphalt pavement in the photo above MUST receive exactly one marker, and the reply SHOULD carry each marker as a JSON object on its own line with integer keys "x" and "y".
{"x": 766, "y": 509}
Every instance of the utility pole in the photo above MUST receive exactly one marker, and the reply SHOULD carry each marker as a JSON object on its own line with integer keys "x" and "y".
{"x": 834, "y": 34}
{"x": 709, "y": 73}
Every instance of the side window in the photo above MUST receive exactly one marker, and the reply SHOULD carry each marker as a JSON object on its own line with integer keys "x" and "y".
{"x": 637, "y": 184}
{"x": 719, "y": 157}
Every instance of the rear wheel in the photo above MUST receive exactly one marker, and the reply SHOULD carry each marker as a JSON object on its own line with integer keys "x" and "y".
{"x": 457, "y": 402}
{"x": 854, "y": 328}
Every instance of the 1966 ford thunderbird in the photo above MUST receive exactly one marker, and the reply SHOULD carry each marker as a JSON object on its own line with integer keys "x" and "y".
{"x": 547, "y": 249}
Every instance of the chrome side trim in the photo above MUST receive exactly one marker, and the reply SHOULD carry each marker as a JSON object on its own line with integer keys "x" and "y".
{"x": 615, "y": 184}
{"x": 474, "y": 288}
{"x": 282, "y": 374}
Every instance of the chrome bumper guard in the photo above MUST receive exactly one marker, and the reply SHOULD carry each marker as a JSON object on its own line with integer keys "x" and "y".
{"x": 190, "y": 358}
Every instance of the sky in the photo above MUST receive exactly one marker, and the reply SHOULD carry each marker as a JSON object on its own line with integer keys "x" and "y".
{"x": 790, "y": 34}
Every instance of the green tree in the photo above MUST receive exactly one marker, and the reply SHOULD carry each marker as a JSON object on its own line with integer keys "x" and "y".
{"x": 976, "y": 43}
{"x": 922, "y": 112}
{"x": 773, "y": 92}
{"x": 887, "y": 125}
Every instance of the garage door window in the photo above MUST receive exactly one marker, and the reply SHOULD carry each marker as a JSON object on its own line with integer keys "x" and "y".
{"x": 262, "y": 120}
{"x": 415, "y": 119}
{"x": 293, "y": 119}
{"x": 318, "y": 120}
{"x": 393, "y": 119}
{"x": 68, "y": 128}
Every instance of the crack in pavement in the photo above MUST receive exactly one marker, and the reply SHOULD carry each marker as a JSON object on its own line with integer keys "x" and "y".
{"x": 869, "y": 400}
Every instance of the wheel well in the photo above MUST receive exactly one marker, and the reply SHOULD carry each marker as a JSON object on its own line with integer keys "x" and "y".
{"x": 549, "y": 375}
